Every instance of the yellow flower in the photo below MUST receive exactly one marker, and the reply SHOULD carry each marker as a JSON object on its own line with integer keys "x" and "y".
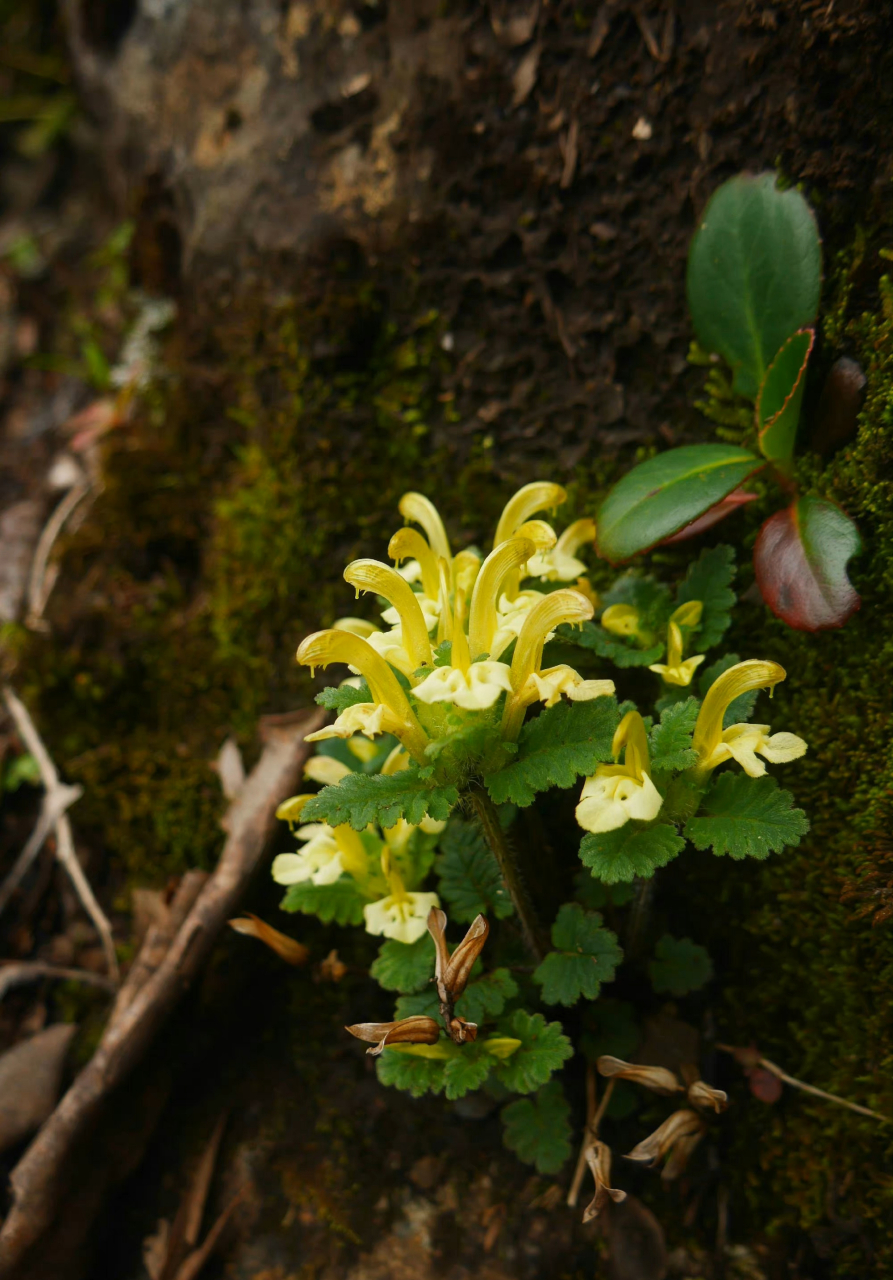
{"x": 621, "y": 620}
{"x": 618, "y": 792}
{"x": 398, "y": 717}
{"x": 548, "y": 686}
{"x": 563, "y": 606}
{"x": 328, "y": 852}
{"x": 401, "y": 915}
{"x": 741, "y": 742}
{"x": 561, "y": 564}
{"x": 326, "y": 770}
{"x": 474, "y": 689}
{"x": 675, "y": 670}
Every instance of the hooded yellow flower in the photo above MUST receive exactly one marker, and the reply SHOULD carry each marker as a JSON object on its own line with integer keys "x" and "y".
{"x": 741, "y": 742}
{"x": 618, "y": 792}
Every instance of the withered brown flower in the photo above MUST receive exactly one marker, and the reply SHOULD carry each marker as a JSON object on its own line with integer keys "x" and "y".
{"x": 598, "y": 1157}
{"x": 658, "y": 1079}
{"x": 418, "y": 1029}
{"x": 451, "y": 972}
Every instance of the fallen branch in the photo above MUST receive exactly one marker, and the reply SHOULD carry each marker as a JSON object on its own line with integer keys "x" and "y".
{"x": 65, "y": 851}
{"x": 750, "y": 1058}
{"x": 39, "y": 1177}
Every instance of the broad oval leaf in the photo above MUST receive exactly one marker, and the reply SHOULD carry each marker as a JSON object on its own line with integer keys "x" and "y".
{"x": 754, "y": 274}
{"x": 800, "y": 558}
{"x": 662, "y": 495}
{"x": 731, "y": 502}
{"x": 780, "y": 398}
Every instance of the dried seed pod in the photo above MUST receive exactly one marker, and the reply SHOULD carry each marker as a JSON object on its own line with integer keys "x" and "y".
{"x": 598, "y": 1157}
{"x": 681, "y": 1124}
{"x": 659, "y": 1079}
{"x": 700, "y": 1094}
{"x": 680, "y": 1155}
{"x": 418, "y": 1029}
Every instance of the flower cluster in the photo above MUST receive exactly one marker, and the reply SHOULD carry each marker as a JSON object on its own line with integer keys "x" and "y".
{"x": 454, "y": 621}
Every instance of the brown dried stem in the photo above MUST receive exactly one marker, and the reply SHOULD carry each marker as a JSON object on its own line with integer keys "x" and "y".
{"x": 590, "y": 1133}
{"x": 39, "y": 1178}
{"x": 804, "y": 1088}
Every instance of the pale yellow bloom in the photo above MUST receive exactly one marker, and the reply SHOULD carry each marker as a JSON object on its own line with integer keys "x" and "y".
{"x": 616, "y": 793}
{"x": 621, "y": 620}
{"x": 744, "y": 742}
{"x": 510, "y": 619}
{"x": 389, "y": 644}
{"x": 402, "y": 915}
{"x": 741, "y": 742}
{"x": 541, "y": 495}
{"x": 319, "y": 861}
{"x": 325, "y": 770}
{"x": 548, "y": 686}
{"x": 676, "y": 671}
{"x": 474, "y": 689}
{"x": 368, "y": 718}
{"x": 552, "y": 610}
{"x": 328, "y": 851}
{"x": 561, "y": 564}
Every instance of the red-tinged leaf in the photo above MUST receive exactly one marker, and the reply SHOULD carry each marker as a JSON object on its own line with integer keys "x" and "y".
{"x": 764, "y": 1085}
{"x": 780, "y": 398}
{"x": 667, "y": 492}
{"x": 731, "y": 502}
{"x": 800, "y": 558}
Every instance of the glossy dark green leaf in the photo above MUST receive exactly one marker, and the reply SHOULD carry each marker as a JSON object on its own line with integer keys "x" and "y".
{"x": 801, "y": 558}
{"x": 780, "y": 398}
{"x": 660, "y": 496}
{"x": 754, "y": 274}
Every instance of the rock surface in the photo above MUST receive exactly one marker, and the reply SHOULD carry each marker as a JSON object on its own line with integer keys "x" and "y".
{"x": 30, "y": 1078}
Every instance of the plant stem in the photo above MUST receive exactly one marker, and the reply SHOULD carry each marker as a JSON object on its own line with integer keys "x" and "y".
{"x": 487, "y": 816}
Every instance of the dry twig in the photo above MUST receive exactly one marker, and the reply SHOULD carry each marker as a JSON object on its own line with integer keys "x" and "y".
{"x": 64, "y": 840}
{"x": 43, "y": 577}
{"x": 16, "y": 973}
{"x": 54, "y": 805}
{"x": 39, "y": 1178}
{"x": 750, "y": 1058}
{"x": 590, "y": 1133}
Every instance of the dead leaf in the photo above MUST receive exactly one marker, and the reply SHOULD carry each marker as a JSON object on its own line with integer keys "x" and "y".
{"x": 30, "y": 1081}
{"x": 525, "y": 76}
{"x": 764, "y": 1085}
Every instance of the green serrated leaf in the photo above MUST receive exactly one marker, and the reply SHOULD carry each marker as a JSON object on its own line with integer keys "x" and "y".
{"x": 422, "y": 1003}
{"x": 754, "y": 274}
{"x": 741, "y": 709}
{"x": 338, "y": 903}
{"x": 659, "y": 496}
{"x": 538, "y": 1129}
{"x": 470, "y": 880}
{"x": 679, "y": 966}
{"x": 710, "y": 580}
{"x": 593, "y": 637}
{"x": 339, "y": 699}
{"x": 630, "y": 851}
{"x": 363, "y": 798}
{"x": 543, "y": 1049}
{"x": 404, "y": 966}
{"x": 670, "y": 744}
{"x": 486, "y": 998}
{"x": 468, "y": 1071}
{"x": 586, "y": 955}
{"x": 415, "y": 1076}
{"x": 746, "y": 818}
{"x": 563, "y": 743}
